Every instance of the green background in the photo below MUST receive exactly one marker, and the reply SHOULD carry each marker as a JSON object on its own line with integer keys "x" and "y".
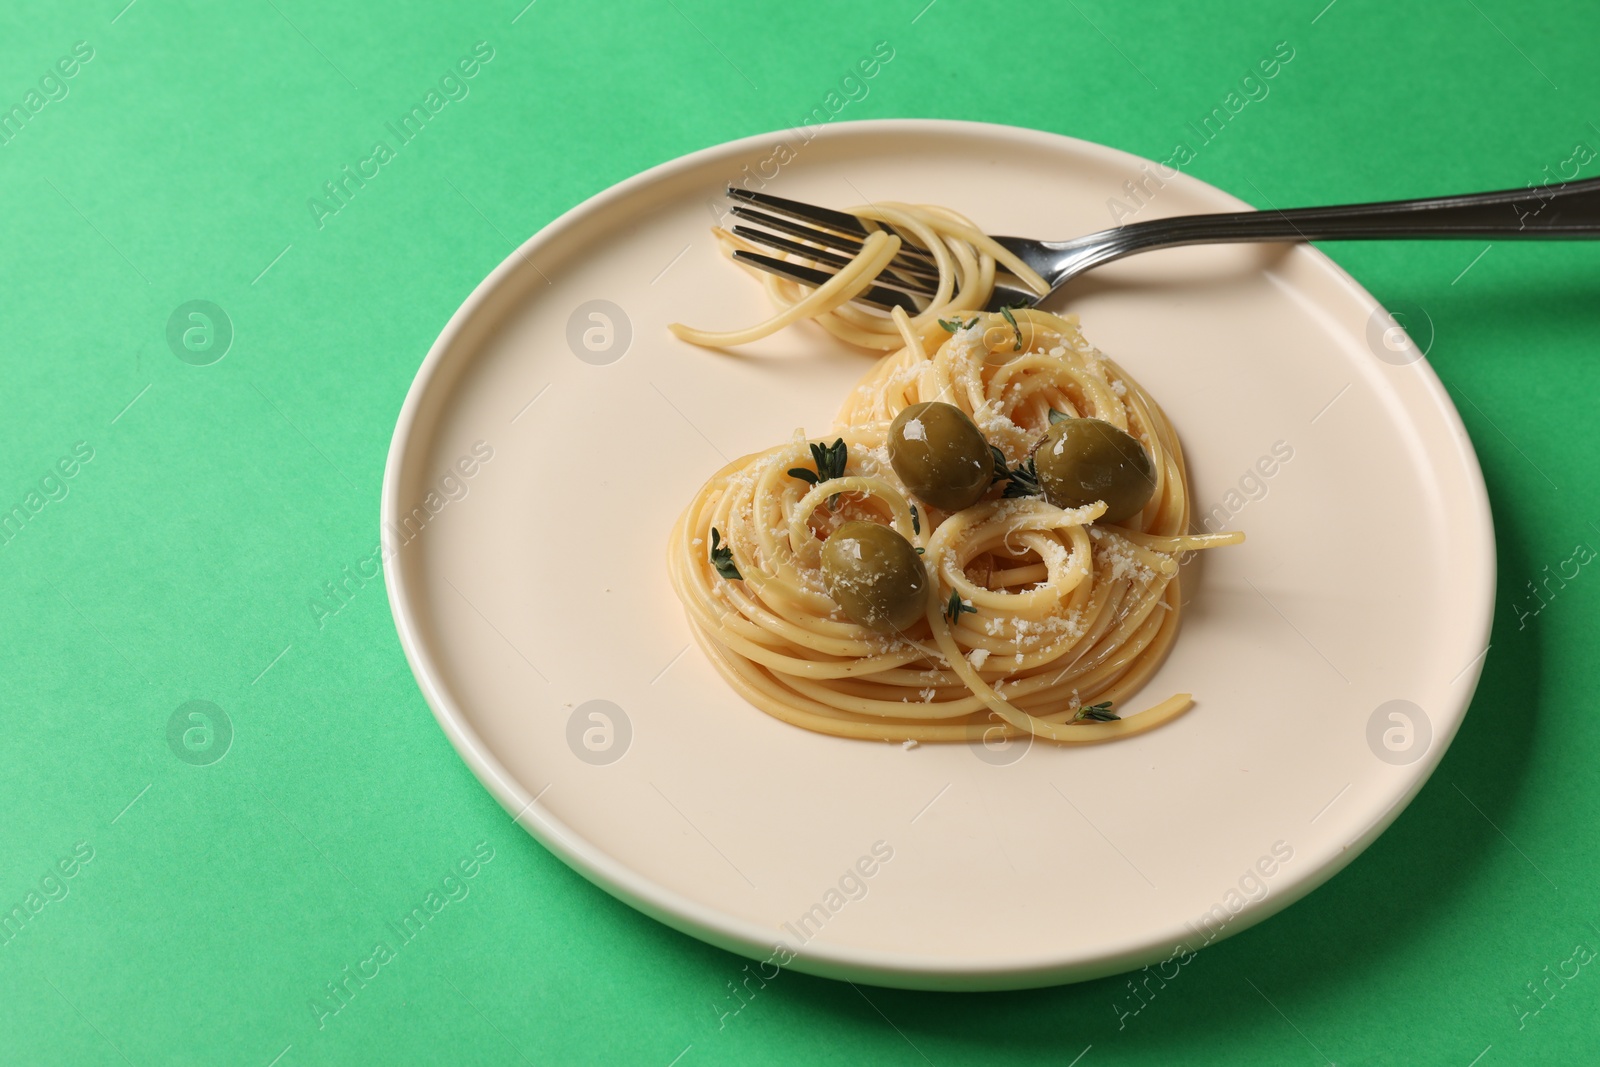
{"x": 179, "y": 566}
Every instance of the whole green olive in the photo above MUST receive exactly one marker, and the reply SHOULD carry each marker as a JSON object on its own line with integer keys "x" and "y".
{"x": 875, "y": 576}
{"x": 1084, "y": 460}
{"x": 941, "y": 456}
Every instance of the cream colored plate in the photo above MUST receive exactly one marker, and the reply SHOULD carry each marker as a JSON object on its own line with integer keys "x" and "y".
{"x": 532, "y": 599}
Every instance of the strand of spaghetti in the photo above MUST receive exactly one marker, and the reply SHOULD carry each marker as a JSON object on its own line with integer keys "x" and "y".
{"x": 875, "y": 254}
{"x": 1185, "y": 542}
{"x": 908, "y": 332}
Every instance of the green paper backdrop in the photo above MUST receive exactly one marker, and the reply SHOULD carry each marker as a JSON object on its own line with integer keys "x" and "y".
{"x": 165, "y": 152}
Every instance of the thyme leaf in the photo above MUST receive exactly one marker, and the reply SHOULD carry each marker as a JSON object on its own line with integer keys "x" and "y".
{"x": 956, "y": 608}
{"x": 1100, "y": 712}
{"x": 1021, "y": 480}
{"x": 831, "y": 461}
{"x": 1012, "y": 319}
{"x": 722, "y": 558}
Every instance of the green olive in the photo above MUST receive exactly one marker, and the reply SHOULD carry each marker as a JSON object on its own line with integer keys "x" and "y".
{"x": 875, "y": 576}
{"x": 940, "y": 455}
{"x": 1084, "y": 460}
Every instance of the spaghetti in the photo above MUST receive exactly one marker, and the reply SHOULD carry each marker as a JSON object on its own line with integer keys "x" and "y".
{"x": 965, "y": 256}
{"x": 1037, "y": 613}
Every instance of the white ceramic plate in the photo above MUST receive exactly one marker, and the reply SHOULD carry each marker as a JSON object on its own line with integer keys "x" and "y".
{"x": 534, "y": 586}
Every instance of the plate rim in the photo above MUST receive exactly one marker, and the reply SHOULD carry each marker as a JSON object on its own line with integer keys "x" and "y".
{"x": 749, "y": 939}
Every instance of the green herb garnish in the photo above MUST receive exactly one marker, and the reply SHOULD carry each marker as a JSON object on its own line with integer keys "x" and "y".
{"x": 1100, "y": 712}
{"x": 1012, "y": 319}
{"x": 954, "y": 610}
{"x": 722, "y": 558}
{"x": 830, "y": 460}
{"x": 1021, "y": 480}
{"x": 956, "y": 324}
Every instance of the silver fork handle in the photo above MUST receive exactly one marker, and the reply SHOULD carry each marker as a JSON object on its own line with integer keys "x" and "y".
{"x": 1561, "y": 210}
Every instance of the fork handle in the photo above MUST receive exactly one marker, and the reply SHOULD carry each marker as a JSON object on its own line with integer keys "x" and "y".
{"x": 1559, "y": 210}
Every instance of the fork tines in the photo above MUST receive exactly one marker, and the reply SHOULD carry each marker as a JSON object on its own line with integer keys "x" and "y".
{"x": 839, "y": 221}
{"x": 850, "y": 247}
{"x": 822, "y": 255}
{"x": 830, "y": 238}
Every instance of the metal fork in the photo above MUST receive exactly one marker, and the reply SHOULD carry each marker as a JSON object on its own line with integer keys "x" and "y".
{"x": 831, "y": 238}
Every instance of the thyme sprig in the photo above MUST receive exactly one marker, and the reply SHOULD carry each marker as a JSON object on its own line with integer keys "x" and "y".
{"x": 831, "y": 461}
{"x": 956, "y": 324}
{"x": 956, "y": 608}
{"x": 1100, "y": 712}
{"x": 722, "y": 558}
{"x": 1012, "y": 319}
{"x": 1021, "y": 480}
